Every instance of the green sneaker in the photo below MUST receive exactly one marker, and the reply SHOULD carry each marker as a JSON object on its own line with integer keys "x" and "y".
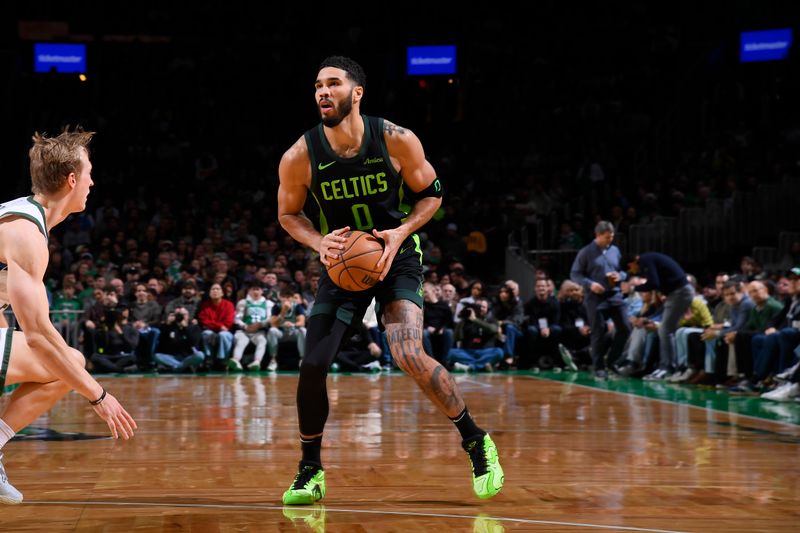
{"x": 308, "y": 486}
{"x": 487, "y": 474}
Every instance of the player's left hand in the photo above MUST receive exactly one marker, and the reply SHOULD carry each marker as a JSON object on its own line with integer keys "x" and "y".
{"x": 392, "y": 240}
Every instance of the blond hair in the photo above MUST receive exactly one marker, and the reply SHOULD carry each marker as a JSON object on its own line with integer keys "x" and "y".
{"x": 55, "y": 158}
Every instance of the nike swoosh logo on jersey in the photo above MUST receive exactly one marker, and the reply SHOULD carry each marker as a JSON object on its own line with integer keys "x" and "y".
{"x": 326, "y": 165}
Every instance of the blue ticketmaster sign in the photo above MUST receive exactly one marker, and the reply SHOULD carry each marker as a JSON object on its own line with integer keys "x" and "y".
{"x": 424, "y": 60}
{"x": 766, "y": 45}
{"x": 61, "y": 57}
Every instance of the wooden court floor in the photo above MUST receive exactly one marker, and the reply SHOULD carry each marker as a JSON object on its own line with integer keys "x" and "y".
{"x": 215, "y": 453}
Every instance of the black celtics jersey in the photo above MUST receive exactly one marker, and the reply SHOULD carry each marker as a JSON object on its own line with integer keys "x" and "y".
{"x": 363, "y": 192}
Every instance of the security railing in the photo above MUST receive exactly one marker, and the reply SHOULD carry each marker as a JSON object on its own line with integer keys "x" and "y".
{"x": 66, "y": 321}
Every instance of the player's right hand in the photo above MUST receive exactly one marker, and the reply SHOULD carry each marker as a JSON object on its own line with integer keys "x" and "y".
{"x": 117, "y": 418}
{"x": 331, "y": 244}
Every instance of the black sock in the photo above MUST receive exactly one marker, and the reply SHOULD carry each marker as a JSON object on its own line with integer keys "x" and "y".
{"x": 311, "y": 450}
{"x": 466, "y": 425}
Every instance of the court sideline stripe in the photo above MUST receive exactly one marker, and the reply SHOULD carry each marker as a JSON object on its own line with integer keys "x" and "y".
{"x": 662, "y": 400}
{"x": 361, "y": 511}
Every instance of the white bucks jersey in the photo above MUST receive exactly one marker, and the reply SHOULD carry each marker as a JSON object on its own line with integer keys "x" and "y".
{"x": 25, "y": 207}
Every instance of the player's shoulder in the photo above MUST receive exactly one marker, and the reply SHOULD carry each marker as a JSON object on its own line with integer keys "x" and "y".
{"x": 395, "y": 131}
{"x": 297, "y": 151}
{"x": 296, "y": 158}
{"x": 22, "y": 242}
{"x": 399, "y": 139}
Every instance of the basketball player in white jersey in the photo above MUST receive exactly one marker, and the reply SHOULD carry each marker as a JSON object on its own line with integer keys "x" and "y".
{"x": 38, "y": 358}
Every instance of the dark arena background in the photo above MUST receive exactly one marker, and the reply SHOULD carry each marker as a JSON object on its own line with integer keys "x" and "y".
{"x": 678, "y": 122}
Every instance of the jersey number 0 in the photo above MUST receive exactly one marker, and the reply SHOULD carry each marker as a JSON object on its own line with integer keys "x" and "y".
{"x": 362, "y": 217}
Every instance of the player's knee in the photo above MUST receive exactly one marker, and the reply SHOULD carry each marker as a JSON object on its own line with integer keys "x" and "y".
{"x": 312, "y": 369}
{"x": 411, "y": 363}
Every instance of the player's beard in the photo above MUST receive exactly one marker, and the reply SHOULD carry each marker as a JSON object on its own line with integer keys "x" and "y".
{"x": 342, "y": 110}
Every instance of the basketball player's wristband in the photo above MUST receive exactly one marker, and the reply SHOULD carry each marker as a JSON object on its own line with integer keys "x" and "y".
{"x": 99, "y": 400}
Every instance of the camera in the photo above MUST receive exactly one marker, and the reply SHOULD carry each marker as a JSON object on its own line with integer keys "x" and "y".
{"x": 464, "y": 313}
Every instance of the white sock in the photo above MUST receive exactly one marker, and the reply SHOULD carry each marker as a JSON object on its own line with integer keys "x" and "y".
{"x": 6, "y": 433}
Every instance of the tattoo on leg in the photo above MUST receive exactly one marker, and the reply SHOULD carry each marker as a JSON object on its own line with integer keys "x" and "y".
{"x": 444, "y": 387}
{"x": 404, "y": 333}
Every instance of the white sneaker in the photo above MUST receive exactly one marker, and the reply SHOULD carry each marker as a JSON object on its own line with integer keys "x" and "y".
{"x": 461, "y": 367}
{"x": 657, "y": 375}
{"x": 566, "y": 356}
{"x": 273, "y": 365}
{"x": 788, "y": 373}
{"x": 8, "y": 494}
{"x": 674, "y": 377}
{"x": 374, "y": 366}
{"x": 783, "y": 393}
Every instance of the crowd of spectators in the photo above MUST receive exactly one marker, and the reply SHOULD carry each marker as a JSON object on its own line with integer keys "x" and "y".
{"x": 165, "y": 266}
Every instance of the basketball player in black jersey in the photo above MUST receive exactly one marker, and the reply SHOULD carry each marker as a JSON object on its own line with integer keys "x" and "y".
{"x": 360, "y": 171}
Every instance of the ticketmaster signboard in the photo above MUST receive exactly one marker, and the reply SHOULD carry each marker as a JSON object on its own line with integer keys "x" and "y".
{"x": 59, "y": 57}
{"x": 424, "y": 60}
{"x": 766, "y": 45}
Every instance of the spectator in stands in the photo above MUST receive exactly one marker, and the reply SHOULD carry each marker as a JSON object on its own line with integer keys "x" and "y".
{"x": 358, "y": 352}
{"x": 252, "y": 316}
{"x": 642, "y": 344}
{"x": 665, "y": 275}
{"x": 750, "y": 269}
{"x": 597, "y": 269}
{"x": 510, "y": 316}
{"x": 116, "y": 342}
{"x": 146, "y": 315}
{"x": 574, "y": 322}
{"x": 475, "y": 292}
{"x": 476, "y": 335}
{"x": 459, "y": 281}
{"x": 542, "y": 327}
{"x": 718, "y": 349}
{"x": 437, "y": 324}
{"x": 514, "y": 286}
{"x": 94, "y": 318}
{"x": 188, "y": 300}
{"x": 758, "y": 320}
{"x": 632, "y": 299}
{"x": 773, "y": 350}
{"x": 179, "y": 343}
{"x": 65, "y": 311}
{"x": 713, "y": 294}
{"x": 695, "y": 320}
{"x": 216, "y": 319}
{"x": 288, "y": 323}
{"x": 450, "y": 296}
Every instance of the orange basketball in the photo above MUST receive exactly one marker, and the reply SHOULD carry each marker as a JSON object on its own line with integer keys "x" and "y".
{"x": 354, "y": 268}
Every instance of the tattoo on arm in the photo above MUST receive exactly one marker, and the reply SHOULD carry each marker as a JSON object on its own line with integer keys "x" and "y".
{"x": 391, "y": 129}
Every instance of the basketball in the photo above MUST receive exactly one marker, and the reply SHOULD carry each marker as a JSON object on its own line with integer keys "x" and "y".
{"x": 354, "y": 268}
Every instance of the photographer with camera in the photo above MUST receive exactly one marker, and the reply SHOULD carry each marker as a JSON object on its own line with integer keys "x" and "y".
{"x": 475, "y": 335}
{"x": 179, "y": 344}
{"x": 116, "y": 341}
{"x": 188, "y": 300}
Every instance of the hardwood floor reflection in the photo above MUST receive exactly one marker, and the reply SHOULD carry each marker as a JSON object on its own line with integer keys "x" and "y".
{"x": 215, "y": 453}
